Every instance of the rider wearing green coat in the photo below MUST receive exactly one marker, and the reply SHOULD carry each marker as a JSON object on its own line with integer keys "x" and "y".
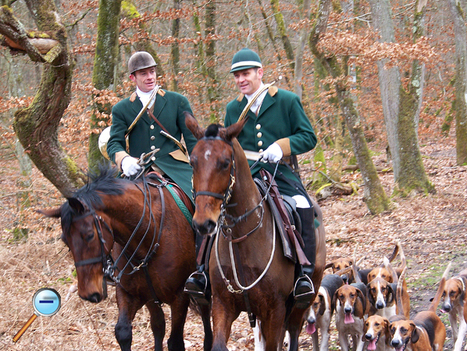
{"x": 168, "y": 109}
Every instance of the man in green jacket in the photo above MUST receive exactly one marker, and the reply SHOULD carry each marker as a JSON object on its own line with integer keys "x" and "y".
{"x": 277, "y": 127}
{"x": 165, "y": 106}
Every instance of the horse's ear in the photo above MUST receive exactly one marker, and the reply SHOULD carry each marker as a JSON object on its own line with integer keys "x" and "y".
{"x": 77, "y": 205}
{"x": 193, "y": 126}
{"x": 233, "y": 130}
{"x": 52, "y": 212}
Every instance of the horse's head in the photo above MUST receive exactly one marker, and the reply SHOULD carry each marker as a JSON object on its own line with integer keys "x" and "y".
{"x": 213, "y": 163}
{"x": 87, "y": 233}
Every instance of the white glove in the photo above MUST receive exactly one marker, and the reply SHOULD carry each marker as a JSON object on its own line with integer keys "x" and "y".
{"x": 130, "y": 166}
{"x": 273, "y": 153}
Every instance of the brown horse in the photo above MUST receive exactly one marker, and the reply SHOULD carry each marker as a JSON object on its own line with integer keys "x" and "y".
{"x": 247, "y": 268}
{"x": 154, "y": 252}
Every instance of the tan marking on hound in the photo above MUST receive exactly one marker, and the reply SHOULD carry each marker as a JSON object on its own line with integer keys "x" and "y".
{"x": 424, "y": 332}
{"x": 453, "y": 302}
{"x": 376, "y": 333}
{"x": 350, "y": 311}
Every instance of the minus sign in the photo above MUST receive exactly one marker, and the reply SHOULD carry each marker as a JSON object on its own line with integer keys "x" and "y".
{"x": 46, "y": 301}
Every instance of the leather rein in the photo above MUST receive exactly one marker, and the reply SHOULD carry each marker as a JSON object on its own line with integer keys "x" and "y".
{"x": 110, "y": 267}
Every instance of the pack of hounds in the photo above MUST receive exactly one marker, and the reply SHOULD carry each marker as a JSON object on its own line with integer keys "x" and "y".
{"x": 371, "y": 308}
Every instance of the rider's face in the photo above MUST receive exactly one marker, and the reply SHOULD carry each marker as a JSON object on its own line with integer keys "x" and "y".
{"x": 145, "y": 79}
{"x": 248, "y": 80}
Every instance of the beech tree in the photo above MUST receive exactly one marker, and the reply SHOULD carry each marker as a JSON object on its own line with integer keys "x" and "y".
{"x": 402, "y": 103}
{"x": 458, "y": 9}
{"x": 36, "y": 126}
{"x": 103, "y": 78}
{"x": 375, "y": 197}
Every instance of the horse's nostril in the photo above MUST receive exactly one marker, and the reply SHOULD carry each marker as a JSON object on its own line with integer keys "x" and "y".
{"x": 95, "y": 298}
{"x": 205, "y": 228}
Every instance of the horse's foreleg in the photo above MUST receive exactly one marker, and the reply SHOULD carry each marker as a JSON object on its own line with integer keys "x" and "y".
{"x": 205, "y": 312}
{"x": 127, "y": 308}
{"x": 223, "y": 315}
{"x": 157, "y": 324}
{"x": 178, "y": 309}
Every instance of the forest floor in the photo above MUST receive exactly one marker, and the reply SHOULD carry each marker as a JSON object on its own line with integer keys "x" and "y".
{"x": 432, "y": 229}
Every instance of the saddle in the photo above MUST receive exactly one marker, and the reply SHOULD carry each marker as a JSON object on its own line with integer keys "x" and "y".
{"x": 183, "y": 201}
{"x": 287, "y": 220}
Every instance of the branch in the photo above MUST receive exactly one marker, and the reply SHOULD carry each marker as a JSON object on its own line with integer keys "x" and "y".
{"x": 16, "y": 37}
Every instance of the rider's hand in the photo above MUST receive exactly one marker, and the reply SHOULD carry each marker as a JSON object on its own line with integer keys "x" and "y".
{"x": 273, "y": 153}
{"x": 130, "y": 166}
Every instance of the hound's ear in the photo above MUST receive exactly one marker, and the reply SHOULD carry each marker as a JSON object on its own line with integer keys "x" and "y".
{"x": 193, "y": 126}
{"x": 322, "y": 304}
{"x": 371, "y": 299}
{"x": 362, "y": 298}
{"x": 391, "y": 295}
{"x": 415, "y": 333}
{"x": 328, "y": 265}
{"x": 386, "y": 330}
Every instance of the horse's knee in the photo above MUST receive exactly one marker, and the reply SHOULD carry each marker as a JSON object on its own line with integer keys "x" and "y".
{"x": 123, "y": 334}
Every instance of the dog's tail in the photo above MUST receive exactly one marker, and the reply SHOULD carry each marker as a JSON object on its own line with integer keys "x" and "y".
{"x": 395, "y": 252}
{"x": 399, "y": 290}
{"x": 435, "y": 302}
{"x": 390, "y": 268}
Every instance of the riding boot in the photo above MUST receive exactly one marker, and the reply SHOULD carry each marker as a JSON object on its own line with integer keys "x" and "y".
{"x": 304, "y": 289}
{"x": 197, "y": 284}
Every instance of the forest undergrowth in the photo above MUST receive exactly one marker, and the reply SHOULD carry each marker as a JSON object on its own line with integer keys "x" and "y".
{"x": 432, "y": 230}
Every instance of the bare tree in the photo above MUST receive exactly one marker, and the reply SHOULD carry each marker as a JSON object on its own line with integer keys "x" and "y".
{"x": 36, "y": 126}
{"x": 401, "y": 105}
{"x": 375, "y": 197}
{"x": 103, "y": 76}
{"x": 458, "y": 9}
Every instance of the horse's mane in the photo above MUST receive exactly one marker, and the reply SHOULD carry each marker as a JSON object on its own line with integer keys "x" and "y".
{"x": 100, "y": 182}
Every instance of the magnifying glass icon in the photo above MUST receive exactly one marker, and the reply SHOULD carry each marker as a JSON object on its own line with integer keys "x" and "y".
{"x": 46, "y": 302}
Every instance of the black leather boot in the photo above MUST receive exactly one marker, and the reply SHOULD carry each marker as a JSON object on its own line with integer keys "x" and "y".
{"x": 304, "y": 289}
{"x": 197, "y": 284}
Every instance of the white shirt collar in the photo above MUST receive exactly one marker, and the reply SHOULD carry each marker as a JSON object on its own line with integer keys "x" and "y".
{"x": 144, "y": 97}
{"x": 257, "y": 104}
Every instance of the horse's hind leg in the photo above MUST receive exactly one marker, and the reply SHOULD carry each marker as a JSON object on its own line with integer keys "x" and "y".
{"x": 178, "y": 309}
{"x": 157, "y": 324}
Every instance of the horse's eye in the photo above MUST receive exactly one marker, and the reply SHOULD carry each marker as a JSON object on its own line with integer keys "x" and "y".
{"x": 89, "y": 237}
{"x": 226, "y": 164}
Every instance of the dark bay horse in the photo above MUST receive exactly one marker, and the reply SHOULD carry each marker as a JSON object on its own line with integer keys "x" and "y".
{"x": 247, "y": 256}
{"x": 154, "y": 252}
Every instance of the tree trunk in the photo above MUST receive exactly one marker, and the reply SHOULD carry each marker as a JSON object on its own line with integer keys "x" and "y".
{"x": 401, "y": 107}
{"x": 36, "y": 126}
{"x": 175, "y": 51}
{"x": 103, "y": 75}
{"x": 212, "y": 86}
{"x": 460, "y": 104}
{"x": 282, "y": 28}
{"x": 375, "y": 197}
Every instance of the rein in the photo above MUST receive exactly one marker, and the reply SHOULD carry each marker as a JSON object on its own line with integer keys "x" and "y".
{"x": 110, "y": 267}
{"x": 234, "y": 220}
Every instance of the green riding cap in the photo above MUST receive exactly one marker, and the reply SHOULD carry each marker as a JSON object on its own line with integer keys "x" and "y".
{"x": 245, "y": 59}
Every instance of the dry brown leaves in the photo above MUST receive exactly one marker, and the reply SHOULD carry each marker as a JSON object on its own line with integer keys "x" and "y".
{"x": 431, "y": 228}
